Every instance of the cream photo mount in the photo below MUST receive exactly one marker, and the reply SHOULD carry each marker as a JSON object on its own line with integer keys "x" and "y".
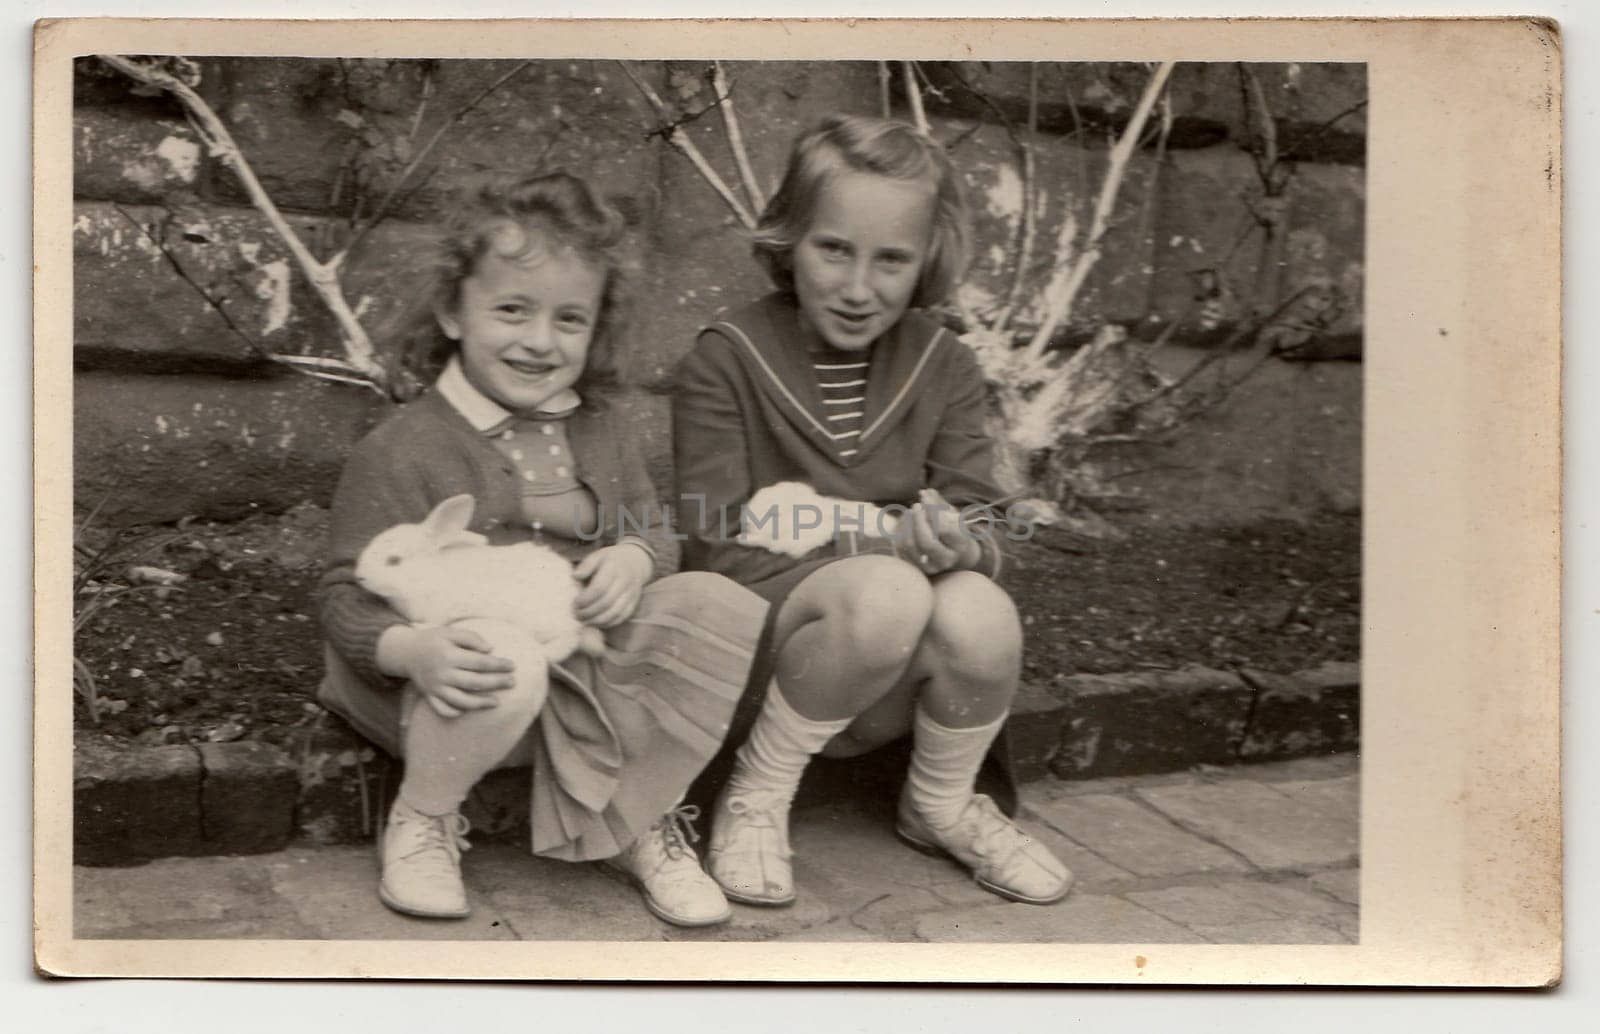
{"x": 1461, "y": 816}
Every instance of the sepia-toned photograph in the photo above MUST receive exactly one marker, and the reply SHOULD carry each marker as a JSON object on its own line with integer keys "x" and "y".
{"x": 892, "y": 501}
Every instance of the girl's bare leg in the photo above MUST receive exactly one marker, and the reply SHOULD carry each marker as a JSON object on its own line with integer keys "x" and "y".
{"x": 844, "y": 637}
{"x": 445, "y": 758}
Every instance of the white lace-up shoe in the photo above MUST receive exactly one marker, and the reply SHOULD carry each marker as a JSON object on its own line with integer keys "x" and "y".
{"x": 1005, "y": 860}
{"x": 749, "y": 853}
{"x": 421, "y": 857}
{"x": 668, "y": 872}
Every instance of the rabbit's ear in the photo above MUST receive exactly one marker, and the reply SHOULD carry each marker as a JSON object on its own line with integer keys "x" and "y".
{"x": 449, "y": 518}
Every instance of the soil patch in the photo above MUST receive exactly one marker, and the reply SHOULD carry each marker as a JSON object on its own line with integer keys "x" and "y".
{"x": 231, "y": 651}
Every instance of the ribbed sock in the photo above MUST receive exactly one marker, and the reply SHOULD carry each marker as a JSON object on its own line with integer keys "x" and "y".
{"x": 944, "y": 767}
{"x": 779, "y": 746}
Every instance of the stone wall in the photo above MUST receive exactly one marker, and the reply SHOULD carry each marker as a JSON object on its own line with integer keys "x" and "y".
{"x": 177, "y": 281}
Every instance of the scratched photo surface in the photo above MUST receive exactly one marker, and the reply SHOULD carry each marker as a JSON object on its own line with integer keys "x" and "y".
{"x": 1164, "y": 298}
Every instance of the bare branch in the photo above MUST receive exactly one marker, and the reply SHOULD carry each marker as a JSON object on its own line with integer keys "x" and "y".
{"x": 675, "y": 136}
{"x": 323, "y": 277}
{"x": 919, "y": 118}
{"x": 422, "y": 155}
{"x": 1069, "y": 279}
{"x": 1030, "y": 202}
{"x": 730, "y": 121}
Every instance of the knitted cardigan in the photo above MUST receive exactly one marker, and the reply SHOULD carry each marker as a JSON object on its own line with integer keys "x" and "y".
{"x": 426, "y": 453}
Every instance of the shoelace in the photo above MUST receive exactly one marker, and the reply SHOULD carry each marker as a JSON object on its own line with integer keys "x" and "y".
{"x": 994, "y": 837}
{"x": 677, "y": 829}
{"x": 447, "y": 833}
{"x": 760, "y": 807}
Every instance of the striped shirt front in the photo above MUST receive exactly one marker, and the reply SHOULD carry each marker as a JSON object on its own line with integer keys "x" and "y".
{"x": 842, "y": 379}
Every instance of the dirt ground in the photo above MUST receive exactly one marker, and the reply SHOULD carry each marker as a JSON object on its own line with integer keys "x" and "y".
{"x": 232, "y": 650}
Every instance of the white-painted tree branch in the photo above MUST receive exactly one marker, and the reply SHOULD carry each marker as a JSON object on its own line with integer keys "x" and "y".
{"x": 919, "y": 117}
{"x": 730, "y": 122}
{"x": 675, "y": 136}
{"x": 323, "y": 277}
{"x": 1069, "y": 277}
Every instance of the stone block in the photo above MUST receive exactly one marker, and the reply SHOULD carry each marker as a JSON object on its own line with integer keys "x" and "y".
{"x": 163, "y": 447}
{"x": 1272, "y": 829}
{"x": 1297, "y": 715}
{"x": 1035, "y": 726}
{"x": 131, "y": 155}
{"x": 132, "y": 805}
{"x": 1133, "y": 837}
{"x": 1201, "y": 905}
{"x": 345, "y": 783}
{"x": 1287, "y": 443}
{"x": 208, "y": 287}
{"x": 247, "y": 797}
{"x": 1150, "y": 722}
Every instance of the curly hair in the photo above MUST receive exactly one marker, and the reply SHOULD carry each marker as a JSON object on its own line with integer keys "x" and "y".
{"x": 886, "y": 147}
{"x": 516, "y": 218}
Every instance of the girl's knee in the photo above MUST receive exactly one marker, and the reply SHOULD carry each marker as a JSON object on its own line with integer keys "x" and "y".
{"x": 884, "y": 608}
{"x": 975, "y": 623}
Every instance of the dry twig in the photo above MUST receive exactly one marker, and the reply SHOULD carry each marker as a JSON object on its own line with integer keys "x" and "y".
{"x": 323, "y": 276}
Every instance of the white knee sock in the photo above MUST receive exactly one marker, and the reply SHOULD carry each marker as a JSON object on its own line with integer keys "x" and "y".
{"x": 779, "y": 746}
{"x": 944, "y": 767}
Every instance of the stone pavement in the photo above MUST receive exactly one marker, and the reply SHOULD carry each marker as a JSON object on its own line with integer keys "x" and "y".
{"x": 1257, "y": 854}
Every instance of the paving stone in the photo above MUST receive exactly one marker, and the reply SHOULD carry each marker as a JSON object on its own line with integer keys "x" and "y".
{"x": 838, "y": 931}
{"x": 334, "y": 891}
{"x": 1080, "y": 919}
{"x": 1208, "y": 905}
{"x": 1133, "y": 837}
{"x": 1339, "y": 798}
{"x": 174, "y": 891}
{"x": 1288, "y": 899}
{"x": 855, "y": 846}
{"x": 1347, "y": 923}
{"x": 892, "y": 916}
{"x": 1088, "y": 869}
{"x": 258, "y": 928}
{"x": 1344, "y": 884}
{"x": 548, "y": 900}
{"x": 1272, "y": 829}
{"x": 1272, "y": 931}
{"x": 757, "y": 923}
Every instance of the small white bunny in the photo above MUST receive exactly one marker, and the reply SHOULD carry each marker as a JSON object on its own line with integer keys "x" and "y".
{"x": 793, "y": 518}
{"x": 438, "y": 572}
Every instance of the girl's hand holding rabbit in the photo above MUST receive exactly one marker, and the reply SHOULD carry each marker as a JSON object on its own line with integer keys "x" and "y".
{"x": 941, "y": 541}
{"x": 451, "y": 665}
{"x": 615, "y": 577}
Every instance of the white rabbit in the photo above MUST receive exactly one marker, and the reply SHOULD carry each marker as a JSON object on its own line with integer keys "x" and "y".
{"x": 793, "y": 518}
{"x": 438, "y": 572}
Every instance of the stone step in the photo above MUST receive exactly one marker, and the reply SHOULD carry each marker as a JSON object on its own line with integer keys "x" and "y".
{"x": 326, "y": 785}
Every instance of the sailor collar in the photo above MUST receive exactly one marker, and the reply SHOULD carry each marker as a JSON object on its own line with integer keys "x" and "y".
{"x": 769, "y": 347}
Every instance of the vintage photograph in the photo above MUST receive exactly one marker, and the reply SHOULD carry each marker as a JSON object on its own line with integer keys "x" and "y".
{"x": 652, "y": 500}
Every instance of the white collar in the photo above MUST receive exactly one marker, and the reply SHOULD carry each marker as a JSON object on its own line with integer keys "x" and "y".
{"x": 481, "y": 411}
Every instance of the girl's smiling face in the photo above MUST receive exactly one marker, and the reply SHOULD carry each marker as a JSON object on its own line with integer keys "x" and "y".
{"x": 857, "y": 267}
{"x": 524, "y": 323}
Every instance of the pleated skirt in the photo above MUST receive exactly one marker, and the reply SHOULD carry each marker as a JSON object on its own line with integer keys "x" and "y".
{"x": 622, "y": 735}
